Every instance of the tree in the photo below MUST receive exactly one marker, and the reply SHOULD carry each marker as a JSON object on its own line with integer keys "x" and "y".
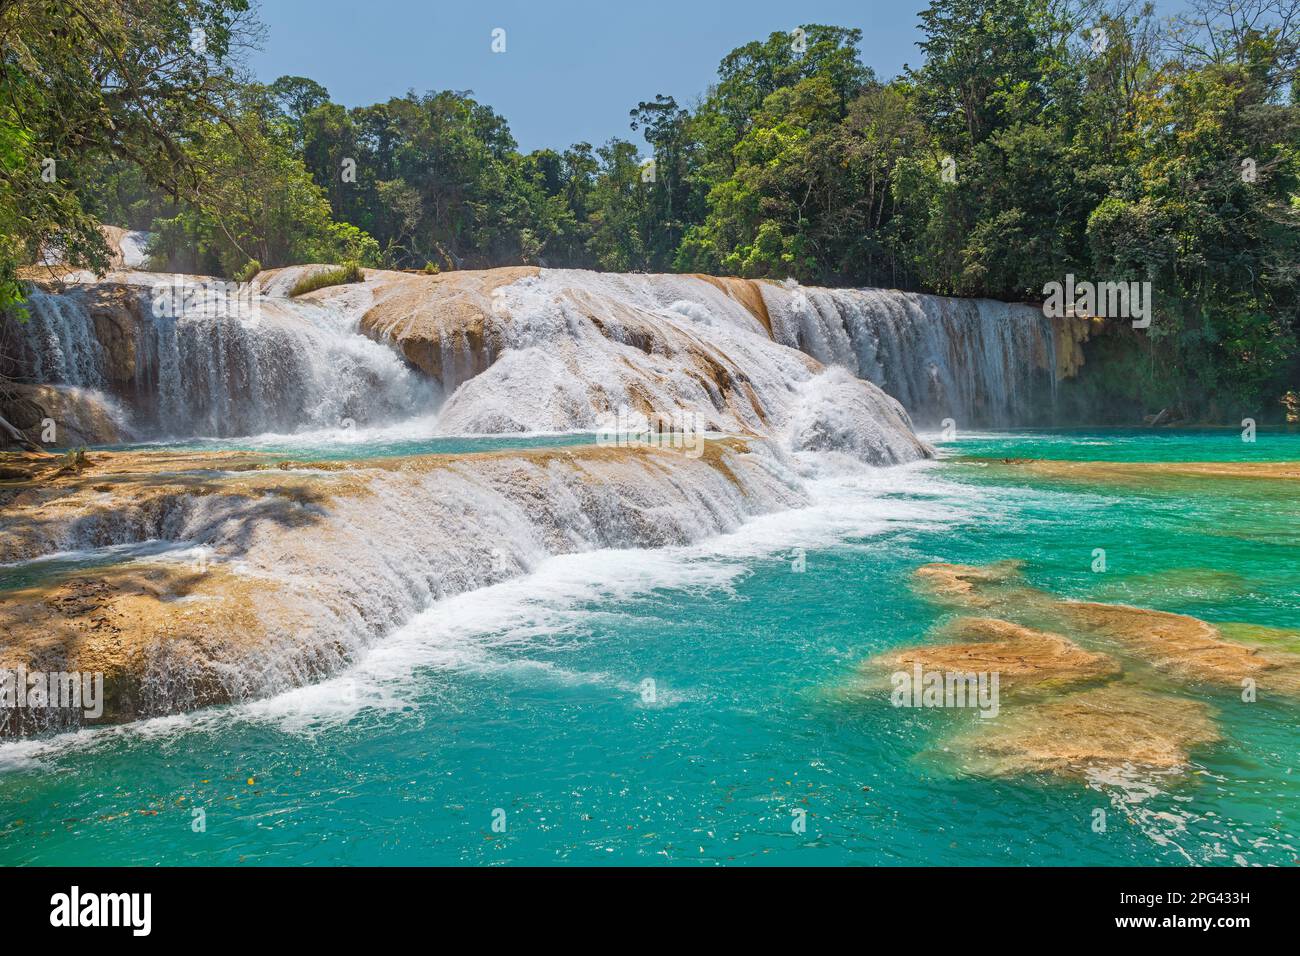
{"x": 986, "y": 64}
{"x": 676, "y": 196}
{"x": 621, "y": 222}
{"x": 81, "y": 83}
{"x": 255, "y": 200}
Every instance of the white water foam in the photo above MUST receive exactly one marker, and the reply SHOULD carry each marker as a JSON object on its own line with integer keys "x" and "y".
{"x": 977, "y": 361}
{"x": 510, "y": 628}
{"x": 292, "y": 366}
{"x": 573, "y": 347}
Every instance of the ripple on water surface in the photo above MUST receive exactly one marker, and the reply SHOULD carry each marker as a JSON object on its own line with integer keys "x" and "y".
{"x": 680, "y": 706}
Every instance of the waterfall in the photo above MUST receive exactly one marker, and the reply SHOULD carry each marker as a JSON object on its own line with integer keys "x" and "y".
{"x": 572, "y": 347}
{"x": 977, "y": 361}
{"x": 298, "y": 366}
{"x": 57, "y": 343}
{"x": 300, "y": 570}
{"x": 271, "y": 576}
{"x": 283, "y": 366}
{"x": 550, "y": 350}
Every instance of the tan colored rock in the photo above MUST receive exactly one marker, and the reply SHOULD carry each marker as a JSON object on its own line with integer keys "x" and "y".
{"x": 1117, "y": 727}
{"x": 968, "y": 585}
{"x": 449, "y": 326}
{"x": 128, "y": 622}
{"x": 117, "y": 313}
{"x": 1184, "y": 647}
{"x": 1021, "y": 656}
{"x": 443, "y": 324}
{"x": 114, "y": 235}
{"x": 80, "y": 417}
{"x": 1179, "y": 645}
{"x": 1071, "y": 332}
{"x": 1109, "y": 728}
{"x": 1146, "y": 472}
{"x": 745, "y": 291}
{"x": 290, "y": 569}
{"x": 117, "y": 310}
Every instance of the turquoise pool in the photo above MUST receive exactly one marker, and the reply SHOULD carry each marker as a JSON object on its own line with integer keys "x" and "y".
{"x": 679, "y": 707}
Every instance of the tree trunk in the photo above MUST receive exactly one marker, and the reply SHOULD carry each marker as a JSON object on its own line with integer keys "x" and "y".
{"x": 17, "y": 437}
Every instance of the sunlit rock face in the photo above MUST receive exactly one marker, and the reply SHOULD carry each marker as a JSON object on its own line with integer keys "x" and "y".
{"x": 561, "y": 350}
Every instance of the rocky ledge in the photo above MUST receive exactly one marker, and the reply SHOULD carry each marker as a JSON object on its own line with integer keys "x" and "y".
{"x": 190, "y": 579}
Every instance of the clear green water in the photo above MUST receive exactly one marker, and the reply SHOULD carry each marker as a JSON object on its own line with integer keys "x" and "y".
{"x": 27, "y": 573}
{"x": 1209, "y": 444}
{"x": 528, "y": 698}
{"x": 341, "y": 446}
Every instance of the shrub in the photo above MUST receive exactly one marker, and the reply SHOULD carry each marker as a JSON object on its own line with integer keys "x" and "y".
{"x": 350, "y": 272}
{"x": 249, "y": 271}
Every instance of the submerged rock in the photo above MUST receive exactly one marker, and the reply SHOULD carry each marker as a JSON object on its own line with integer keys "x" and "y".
{"x": 1120, "y": 726}
{"x": 1021, "y": 656}
{"x": 1144, "y": 473}
{"x": 1263, "y": 636}
{"x": 1184, "y": 585}
{"x": 1104, "y": 729}
{"x": 1184, "y": 647}
{"x": 1178, "y": 645}
{"x": 964, "y": 584}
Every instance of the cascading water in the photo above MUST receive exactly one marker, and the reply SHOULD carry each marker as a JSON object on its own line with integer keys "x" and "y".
{"x": 57, "y": 343}
{"x": 577, "y": 343}
{"x": 286, "y": 366}
{"x": 623, "y": 607}
{"x": 977, "y": 361}
{"x": 573, "y": 348}
{"x": 573, "y": 341}
{"x": 325, "y": 560}
{"x": 298, "y": 366}
{"x": 301, "y": 569}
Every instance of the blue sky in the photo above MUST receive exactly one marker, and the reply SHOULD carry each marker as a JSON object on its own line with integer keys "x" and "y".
{"x": 571, "y": 70}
